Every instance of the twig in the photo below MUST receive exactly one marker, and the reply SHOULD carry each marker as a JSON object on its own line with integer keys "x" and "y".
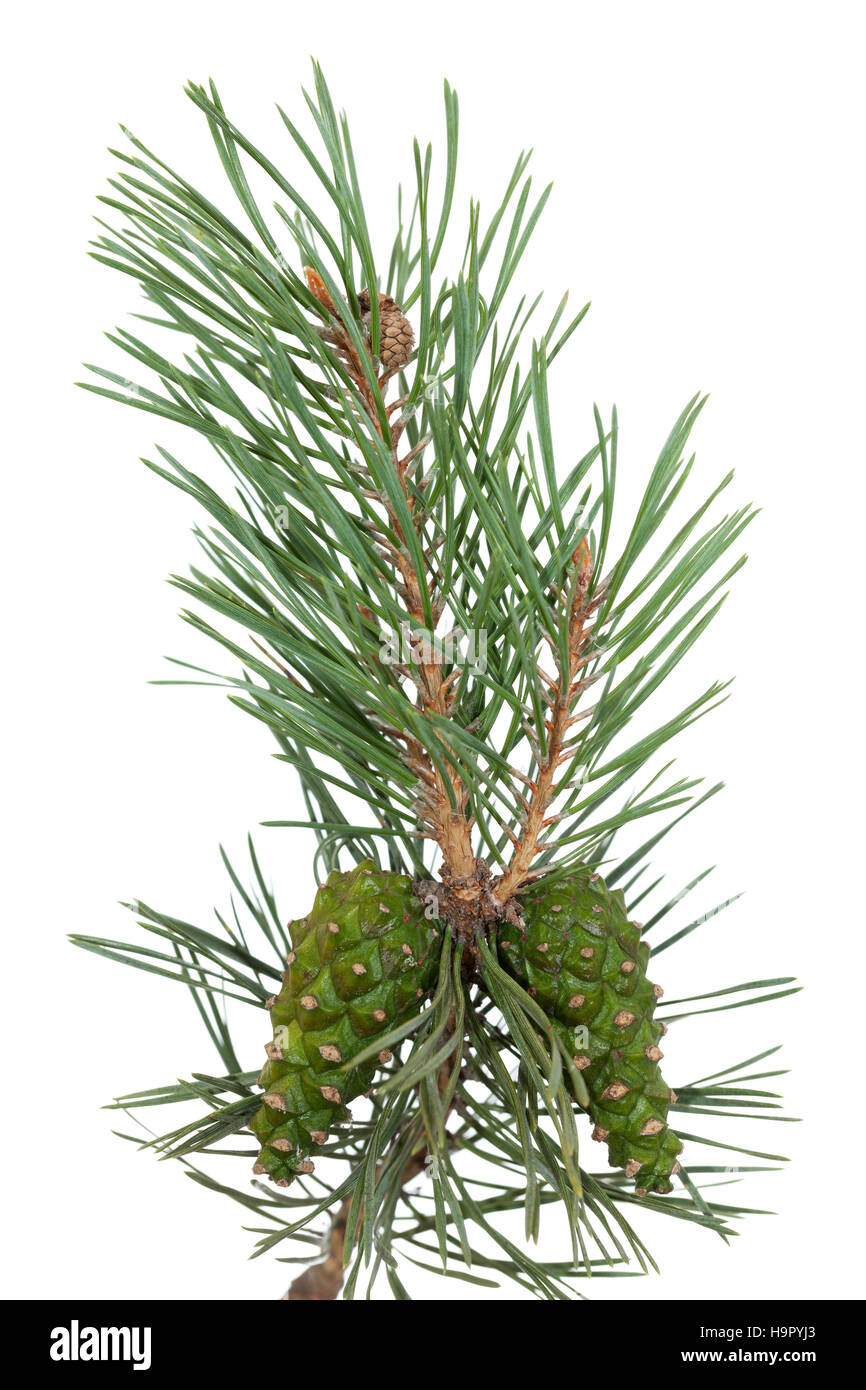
{"x": 564, "y": 690}
{"x": 451, "y": 827}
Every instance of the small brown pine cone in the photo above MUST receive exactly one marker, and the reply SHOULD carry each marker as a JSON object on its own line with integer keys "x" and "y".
{"x": 396, "y": 339}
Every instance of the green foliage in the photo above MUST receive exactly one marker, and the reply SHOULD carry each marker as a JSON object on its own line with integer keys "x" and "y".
{"x": 274, "y": 401}
{"x": 299, "y": 591}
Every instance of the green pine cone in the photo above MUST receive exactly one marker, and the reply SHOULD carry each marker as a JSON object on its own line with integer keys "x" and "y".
{"x": 363, "y": 961}
{"x": 584, "y": 963}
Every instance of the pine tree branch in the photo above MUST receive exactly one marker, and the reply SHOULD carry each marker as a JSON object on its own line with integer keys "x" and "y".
{"x": 347, "y": 519}
{"x": 442, "y": 793}
{"x": 564, "y": 689}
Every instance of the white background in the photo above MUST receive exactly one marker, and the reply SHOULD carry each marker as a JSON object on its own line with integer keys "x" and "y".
{"x": 708, "y": 170}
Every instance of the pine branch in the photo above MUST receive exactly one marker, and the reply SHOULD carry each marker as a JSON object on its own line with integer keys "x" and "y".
{"x": 563, "y": 690}
{"x": 441, "y": 794}
{"x": 357, "y": 541}
{"x": 491, "y": 1099}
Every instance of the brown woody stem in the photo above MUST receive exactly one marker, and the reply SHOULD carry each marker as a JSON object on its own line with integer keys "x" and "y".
{"x": 443, "y": 795}
{"x": 563, "y": 690}
{"x": 446, "y": 797}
